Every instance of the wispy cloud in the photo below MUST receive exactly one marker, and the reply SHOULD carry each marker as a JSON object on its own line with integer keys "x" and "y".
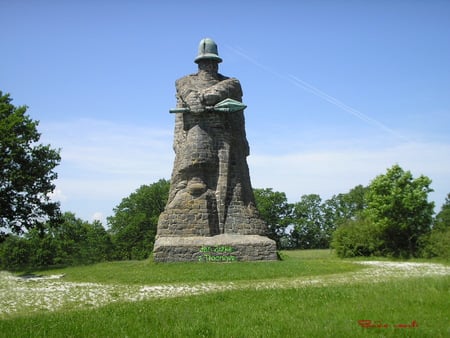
{"x": 331, "y": 172}
{"x": 305, "y": 86}
{"x": 110, "y": 148}
{"x": 103, "y": 162}
{"x": 334, "y": 101}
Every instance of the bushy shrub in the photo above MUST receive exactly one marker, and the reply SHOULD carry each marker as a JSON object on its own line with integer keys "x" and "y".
{"x": 358, "y": 237}
{"x": 14, "y": 253}
{"x": 436, "y": 244}
{"x": 72, "y": 242}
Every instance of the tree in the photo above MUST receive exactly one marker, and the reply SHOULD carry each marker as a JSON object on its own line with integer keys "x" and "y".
{"x": 26, "y": 172}
{"x": 437, "y": 242}
{"x": 78, "y": 241}
{"x": 133, "y": 225}
{"x": 398, "y": 205}
{"x": 98, "y": 243}
{"x": 310, "y": 230}
{"x": 442, "y": 219}
{"x": 15, "y": 253}
{"x": 342, "y": 208}
{"x": 275, "y": 211}
{"x": 71, "y": 241}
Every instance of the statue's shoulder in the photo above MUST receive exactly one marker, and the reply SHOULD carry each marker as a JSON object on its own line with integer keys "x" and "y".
{"x": 223, "y": 77}
{"x": 228, "y": 79}
{"x": 186, "y": 79}
{"x": 230, "y": 82}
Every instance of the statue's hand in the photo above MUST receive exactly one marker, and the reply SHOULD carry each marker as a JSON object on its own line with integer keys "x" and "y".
{"x": 194, "y": 101}
{"x": 212, "y": 96}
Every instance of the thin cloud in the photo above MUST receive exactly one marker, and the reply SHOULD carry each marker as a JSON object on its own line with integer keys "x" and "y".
{"x": 299, "y": 83}
{"x": 102, "y": 162}
{"x": 331, "y": 172}
{"x": 356, "y": 113}
{"x": 107, "y": 148}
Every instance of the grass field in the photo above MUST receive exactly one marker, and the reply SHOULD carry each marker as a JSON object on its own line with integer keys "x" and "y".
{"x": 309, "y": 294}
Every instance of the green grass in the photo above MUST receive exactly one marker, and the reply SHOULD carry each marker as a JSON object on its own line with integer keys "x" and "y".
{"x": 295, "y": 264}
{"x": 306, "y": 311}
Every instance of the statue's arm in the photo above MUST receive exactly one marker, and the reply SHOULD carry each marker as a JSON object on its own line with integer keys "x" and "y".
{"x": 229, "y": 88}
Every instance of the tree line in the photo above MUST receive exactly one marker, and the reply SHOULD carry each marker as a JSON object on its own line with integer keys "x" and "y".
{"x": 390, "y": 217}
{"x": 73, "y": 241}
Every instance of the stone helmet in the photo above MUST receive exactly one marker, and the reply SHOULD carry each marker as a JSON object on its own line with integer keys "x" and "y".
{"x": 207, "y": 50}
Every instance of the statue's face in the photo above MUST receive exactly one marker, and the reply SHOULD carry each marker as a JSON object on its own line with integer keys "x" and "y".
{"x": 209, "y": 66}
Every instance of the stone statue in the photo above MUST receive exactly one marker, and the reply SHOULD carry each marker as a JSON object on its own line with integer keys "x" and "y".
{"x": 210, "y": 192}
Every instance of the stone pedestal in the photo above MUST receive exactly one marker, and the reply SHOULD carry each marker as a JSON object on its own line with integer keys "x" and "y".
{"x": 220, "y": 248}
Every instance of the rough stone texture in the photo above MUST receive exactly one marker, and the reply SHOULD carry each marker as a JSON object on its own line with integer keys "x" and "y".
{"x": 210, "y": 192}
{"x": 220, "y": 248}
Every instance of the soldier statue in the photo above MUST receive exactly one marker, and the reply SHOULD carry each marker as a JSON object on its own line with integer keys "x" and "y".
{"x": 210, "y": 192}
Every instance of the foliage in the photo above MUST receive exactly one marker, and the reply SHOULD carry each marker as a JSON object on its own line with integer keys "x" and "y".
{"x": 275, "y": 211}
{"x": 309, "y": 231}
{"x": 437, "y": 243}
{"x": 26, "y": 171}
{"x": 133, "y": 225}
{"x": 397, "y": 215}
{"x": 80, "y": 242}
{"x": 357, "y": 237}
{"x": 71, "y": 242}
{"x": 315, "y": 221}
{"x": 358, "y": 223}
{"x": 344, "y": 207}
{"x": 398, "y": 205}
{"x": 442, "y": 220}
{"x": 14, "y": 253}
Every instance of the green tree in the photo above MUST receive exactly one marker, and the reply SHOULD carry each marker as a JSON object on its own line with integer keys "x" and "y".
{"x": 69, "y": 238}
{"x": 397, "y": 204}
{"x": 99, "y": 246}
{"x": 310, "y": 229}
{"x": 437, "y": 243}
{"x": 15, "y": 253}
{"x": 133, "y": 225}
{"x": 42, "y": 247}
{"x": 26, "y": 172}
{"x": 348, "y": 206}
{"x": 442, "y": 220}
{"x": 78, "y": 241}
{"x": 275, "y": 211}
{"x": 341, "y": 208}
{"x": 71, "y": 241}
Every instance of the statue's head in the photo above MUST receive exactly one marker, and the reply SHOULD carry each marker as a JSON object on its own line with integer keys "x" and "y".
{"x": 207, "y": 50}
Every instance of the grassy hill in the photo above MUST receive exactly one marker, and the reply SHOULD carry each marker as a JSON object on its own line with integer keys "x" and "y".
{"x": 308, "y": 294}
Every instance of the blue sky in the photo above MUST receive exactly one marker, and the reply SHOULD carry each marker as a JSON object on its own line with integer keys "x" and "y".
{"x": 337, "y": 91}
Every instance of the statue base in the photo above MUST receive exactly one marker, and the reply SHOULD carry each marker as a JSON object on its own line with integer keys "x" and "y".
{"x": 220, "y": 248}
